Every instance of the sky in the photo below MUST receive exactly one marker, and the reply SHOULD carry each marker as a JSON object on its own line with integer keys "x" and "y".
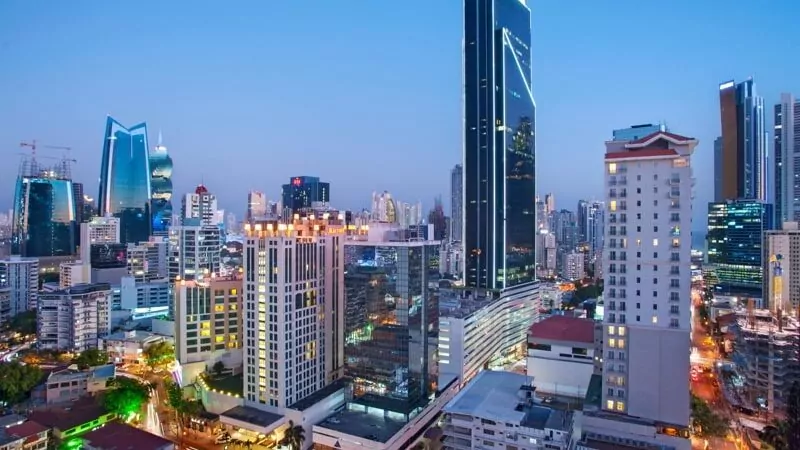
{"x": 366, "y": 94}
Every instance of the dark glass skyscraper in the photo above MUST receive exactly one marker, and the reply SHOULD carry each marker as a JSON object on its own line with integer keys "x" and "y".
{"x": 44, "y": 216}
{"x": 301, "y": 192}
{"x": 125, "y": 180}
{"x": 161, "y": 185}
{"x": 499, "y": 145}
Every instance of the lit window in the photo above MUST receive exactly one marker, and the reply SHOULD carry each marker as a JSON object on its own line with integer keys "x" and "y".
{"x": 611, "y": 329}
{"x": 680, "y": 162}
{"x": 621, "y": 331}
{"x": 609, "y": 404}
{"x": 620, "y": 406}
{"x": 676, "y": 242}
{"x": 638, "y": 242}
{"x": 655, "y": 319}
{"x": 612, "y": 168}
{"x": 612, "y": 343}
{"x": 612, "y": 205}
{"x": 655, "y": 242}
{"x": 621, "y": 343}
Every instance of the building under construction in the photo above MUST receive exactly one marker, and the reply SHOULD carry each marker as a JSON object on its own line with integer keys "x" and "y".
{"x": 766, "y": 355}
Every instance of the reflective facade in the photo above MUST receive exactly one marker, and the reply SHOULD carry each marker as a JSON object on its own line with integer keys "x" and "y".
{"x": 161, "y": 189}
{"x": 735, "y": 237}
{"x": 499, "y": 145}
{"x": 125, "y": 180}
{"x": 301, "y": 192}
{"x": 44, "y": 217}
{"x": 391, "y": 324}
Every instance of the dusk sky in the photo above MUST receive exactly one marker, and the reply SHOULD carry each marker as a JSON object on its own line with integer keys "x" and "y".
{"x": 366, "y": 94}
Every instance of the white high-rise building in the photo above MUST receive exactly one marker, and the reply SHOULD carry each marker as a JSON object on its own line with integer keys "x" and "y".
{"x": 195, "y": 250}
{"x": 782, "y": 268}
{"x": 75, "y": 318}
{"x": 787, "y": 154}
{"x": 573, "y": 265}
{"x": 21, "y": 275}
{"x": 256, "y": 205}
{"x": 384, "y": 208}
{"x": 293, "y": 309}
{"x": 595, "y": 228}
{"x": 457, "y": 203}
{"x": 200, "y": 205}
{"x": 149, "y": 260}
{"x": 647, "y": 317}
{"x": 99, "y": 230}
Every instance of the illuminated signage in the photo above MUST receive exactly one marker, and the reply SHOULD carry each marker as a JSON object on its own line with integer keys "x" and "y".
{"x": 726, "y": 85}
{"x": 297, "y": 182}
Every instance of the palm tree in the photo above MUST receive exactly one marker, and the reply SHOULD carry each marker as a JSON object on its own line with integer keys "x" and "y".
{"x": 294, "y": 436}
{"x": 775, "y": 435}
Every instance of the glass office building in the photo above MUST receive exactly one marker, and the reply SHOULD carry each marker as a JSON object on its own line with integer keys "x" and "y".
{"x": 161, "y": 186}
{"x": 301, "y": 192}
{"x": 125, "y": 180}
{"x": 735, "y": 235}
{"x": 391, "y": 323}
{"x": 44, "y": 216}
{"x": 500, "y": 144}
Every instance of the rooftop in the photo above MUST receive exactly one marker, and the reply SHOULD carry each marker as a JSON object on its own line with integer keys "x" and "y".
{"x": 72, "y": 373}
{"x": 118, "y": 436}
{"x": 81, "y": 411}
{"x": 374, "y": 427}
{"x": 311, "y": 400}
{"x": 252, "y": 416}
{"x": 642, "y": 153}
{"x": 132, "y": 336}
{"x": 500, "y": 396}
{"x": 563, "y": 328}
{"x": 650, "y": 138}
{"x": 25, "y": 430}
{"x": 232, "y": 384}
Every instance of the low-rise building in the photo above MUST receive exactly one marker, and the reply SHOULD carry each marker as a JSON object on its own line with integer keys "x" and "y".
{"x": 77, "y": 419}
{"x": 27, "y": 435}
{"x": 128, "y": 347}
{"x": 71, "y": 384}
{"x": 561, "y": 355}
{"x": 120, "y": 436}
{"x": 501, "y": 410}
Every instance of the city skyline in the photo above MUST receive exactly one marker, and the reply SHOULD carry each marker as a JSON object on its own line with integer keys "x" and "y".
{"x": 234, "y": 101}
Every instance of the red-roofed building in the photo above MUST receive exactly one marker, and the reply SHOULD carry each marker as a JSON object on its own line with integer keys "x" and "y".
{"x": 561, "y": 354}
{"x": 119, "y": 436}
{"x": 28, "y": 435}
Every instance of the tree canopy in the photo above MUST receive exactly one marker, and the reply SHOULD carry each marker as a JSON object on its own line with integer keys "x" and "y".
{"x": 707, "y": 422}
{"x": 17, "y": 380}
{"x": 160, "y": 353}
{"x": 184, "y": 408}
{"x": 24, "y": 323}
{"x": 90, "y": 358}
{"x": 126, "y": 396}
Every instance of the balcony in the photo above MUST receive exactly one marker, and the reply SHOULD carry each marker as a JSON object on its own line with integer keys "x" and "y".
{"x": 674, "y": 193}
{"x": 612, "y": 194}
{"x": 674, "y": 218}
{"x": 612, "y": 182}
{"x": 622, "y": 181}
{"x": 674, "y": 180}
{"x": 674, "y": 298}
{"x": 623, "y": 194}
{"x": 675, "y": 205}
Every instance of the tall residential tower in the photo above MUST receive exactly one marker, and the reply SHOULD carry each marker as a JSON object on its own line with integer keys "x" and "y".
{"x": 457, "y": 203}
{"x": 787, "y": 160}
{"x": 499, "y": 145}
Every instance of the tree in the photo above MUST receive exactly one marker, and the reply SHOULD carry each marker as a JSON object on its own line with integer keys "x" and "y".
{"x": 160, "y": 353}
{"x": 793, "y": 417}
{"x": 126, "y": 397}
{"x": 294, "y": 436}
{"x": 706, "y": 421}
{"x": 24, "y": 323}
{"x": 775, "y": 435}
{"x": 90, "y": 358}
{"x": 218, "y": 368}
{"x": 184, "y": 409}
{"x": 17, "y": 380}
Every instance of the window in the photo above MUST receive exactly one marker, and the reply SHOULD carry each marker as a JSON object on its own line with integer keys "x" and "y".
{"x": 655, "y": 190}
{"x": 638, "y": 254}
{"x": 638, "y": 267}
{"x": 621, "y": 343}
{"x": 638, "y": 229}
{"x": 638, "y": 280}
{"x": 655, "y": 280}
{"x": 655, "y": 306}
{"x": 638, "y": 203}
{"x": 655, "y": 255}
{"x": 680, "y": 162}
{"x": 620, "y": 406}
{"x": 612, "y": 343}
{"x": 609, "y": 404}
{"x": 638, "y": 305}
{"x": 612, "y": 205}
{"x": 638, "y": 242}
{"x": 655, "y": 229}
{"x": 621, "y": 331}
{"x": 638, "y": 318}
{"x": 655, "y": 242}
{"x": 655, "y": 319}
{"x": 611, "y": 329}
{"x": 655, "y": 293}
{"x": 638, "y": 293}
{"x": 655, "y": 202}
{"x": 638, "y": 178}
{"x": 638, "y": 190}
{"x": 612, "y": 168}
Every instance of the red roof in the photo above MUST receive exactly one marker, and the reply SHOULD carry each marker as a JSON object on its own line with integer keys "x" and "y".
{"x": 653, "y": 136}
{"x": 118, "y": 436}
{"x": 643, "y": 153}
{"x": 563, "y": 328}
{"x": 26, "y": 429}
{"x": 201, "y": 190}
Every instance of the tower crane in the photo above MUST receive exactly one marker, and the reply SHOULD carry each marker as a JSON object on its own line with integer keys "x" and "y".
{"x": 31, "y": 144}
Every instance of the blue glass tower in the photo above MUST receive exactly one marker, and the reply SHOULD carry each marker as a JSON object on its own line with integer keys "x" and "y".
{"x": 161, "y": 186}
{"x": 125, "y": 190}
{"x": 44, "y": 216}
{"x": 499, "y": 145}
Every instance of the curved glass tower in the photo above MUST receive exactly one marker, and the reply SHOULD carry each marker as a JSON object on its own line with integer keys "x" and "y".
{"x": 161, "y": 187}
{"x": 125, "y": 180}
{"x": 44, "y": 216}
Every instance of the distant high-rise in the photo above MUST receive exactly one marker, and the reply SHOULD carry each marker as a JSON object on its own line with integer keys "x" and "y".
{"x": 718, "y": 168}
{"x": 499, "y": 145}
{"x": 787, "y": 160}
{"x": 45, "y": 218}
{"x": 161, "y": 184}
{"x": 636, "y": 132}
{"x": 437, "y": 218}
{"x": 744, "y": 142}
{"x": 256, "y": 206}
{"x": 125, "y": 189}
{"x": 302, "y": 191}
{"x": 582, "y": 220}
{"x": 457, "y": 203}
{"x": 201, "y": 205}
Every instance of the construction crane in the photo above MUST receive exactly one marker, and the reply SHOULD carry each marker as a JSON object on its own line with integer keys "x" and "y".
{"x": 32, "y": 146}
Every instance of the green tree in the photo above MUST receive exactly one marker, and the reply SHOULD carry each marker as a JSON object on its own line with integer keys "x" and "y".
{"x": 184, "y": 408}
{"x": 218, "y": 368}
{"x": 126, "y": 396}
{"x": 775, "y": 435}
{"x": 706, "y": 421}
{"x": 294, "y": 436}
{"x": 24, "y": 323}
{"x": 17, "y": 380}
{"x": 159, "y": 354}
{"x": 90, "y": 358}
{"x": 793, "y": 417}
